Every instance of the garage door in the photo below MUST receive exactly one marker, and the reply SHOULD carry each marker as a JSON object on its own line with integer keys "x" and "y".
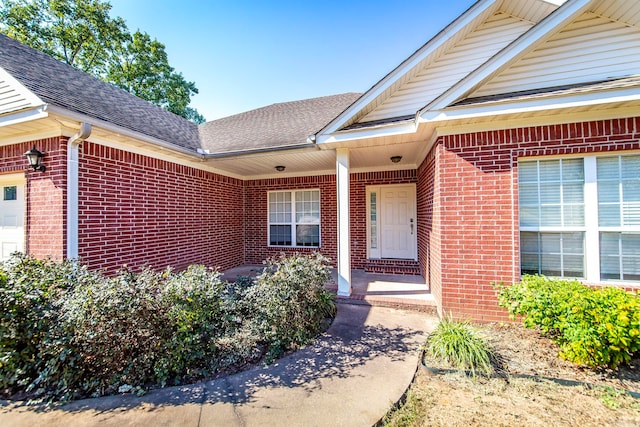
{"x": 11, "y": 215}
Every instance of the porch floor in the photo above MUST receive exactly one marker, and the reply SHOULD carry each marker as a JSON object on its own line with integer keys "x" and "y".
{"x": 385, "y": 290}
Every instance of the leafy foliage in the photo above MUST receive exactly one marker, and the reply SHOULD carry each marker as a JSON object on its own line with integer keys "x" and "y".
{"x": 33, "y": 342}
{"x": 458, "y": 344}
{"x": 290, "y": 301}
{"x": 83, "y": 34}
{"x": 66, "y": 332}
{"x": 596, "y": 327}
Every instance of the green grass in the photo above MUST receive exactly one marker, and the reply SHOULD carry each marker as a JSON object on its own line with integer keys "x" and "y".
{"x": 459, "y": 344}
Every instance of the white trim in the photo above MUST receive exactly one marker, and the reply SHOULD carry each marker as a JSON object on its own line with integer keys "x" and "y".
{"x": 119, "y": 130}
{"x": 377, "y": 254}
{"x": 162, "y": 154}
{"x": 23, "y": 116}
{"x": 29, "y": 97}
{"x": 541, "y": 104}
{"x": 552, "y": 118}
{"x": 536, "y": 34}
{"x": 344, "y": 221}
{"x": 293, "y": 222}
{"x": 390, "y": 129}
{"x": 29, "y": 136}
{"x": 592, "y": 234}
{"x": 373, "y": 253}
{"x": 18, "y": 179}
{"x": 591, "y": 228}
{"x": 427, "y": 49}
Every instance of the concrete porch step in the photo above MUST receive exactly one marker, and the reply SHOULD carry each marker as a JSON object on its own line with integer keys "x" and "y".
{"x": 421, "y": 305}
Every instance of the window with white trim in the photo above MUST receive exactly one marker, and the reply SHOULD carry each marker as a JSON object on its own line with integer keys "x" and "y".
{"x": 619, "y": 217}
{"x": 294, "y": 218}
{"x": 580, "y": 218}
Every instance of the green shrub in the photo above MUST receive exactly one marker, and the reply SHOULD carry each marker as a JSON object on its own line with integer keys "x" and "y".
{"x": 596, "y": 327}
{"x": 66, "y": 332}
{"x": 290, "y": 301}
{"x": 458, "y": 344}
{"x": 196, "y": 313}
{"x": 34, "y": 345}
{"x": 120, "y": 323}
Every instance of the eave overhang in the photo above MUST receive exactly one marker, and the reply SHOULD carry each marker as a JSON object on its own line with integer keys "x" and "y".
{"x": 501, "y": 108}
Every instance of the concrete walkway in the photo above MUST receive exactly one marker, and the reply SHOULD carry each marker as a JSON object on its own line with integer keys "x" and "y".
{"x": 349, "y": 377}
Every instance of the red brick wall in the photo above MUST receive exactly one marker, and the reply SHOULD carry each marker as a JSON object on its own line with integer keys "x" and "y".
{"x": 478, "y": 202}
{"x": 136, "y": 210}
{"x": 45, "y": 193}
{"x": 429, "y": 222}
{"x": 256, "y": 218}
{"x": 256, "y": 248}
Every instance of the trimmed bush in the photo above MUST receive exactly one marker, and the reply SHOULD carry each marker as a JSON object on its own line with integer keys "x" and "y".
{"x": 35, "y": 346}
{"x": 67, "y": 332}
{"x": 290, "y": 301}
{"x": 460, "y": 345}
{"x": 595, "y": 327}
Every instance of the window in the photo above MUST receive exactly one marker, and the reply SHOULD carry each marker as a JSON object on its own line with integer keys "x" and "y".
{"x": 619, "y": 217}
{"x": 294, "y": 218}
{"x": 552, "y": 217}
{"x": 10, "y": 193}
{"x": 580, "y": 218}
{"x": 373, "y": 219}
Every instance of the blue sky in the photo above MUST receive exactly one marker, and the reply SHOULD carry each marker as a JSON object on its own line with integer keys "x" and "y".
{"x": 247, "y": 54}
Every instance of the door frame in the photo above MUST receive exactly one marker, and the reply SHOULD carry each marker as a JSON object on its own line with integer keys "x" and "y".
{"x": 374, "y": 236}
{"x": 7, "y": 180}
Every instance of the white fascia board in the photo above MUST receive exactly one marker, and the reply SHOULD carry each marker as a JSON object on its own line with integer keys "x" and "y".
{"x": 542, "y": 104}
{"x": 122, "y": 131}
{"x": 24, "y": 116}
{"x": 539, "y": 32}
{"x": 366, "y": 133}
{"x": 30, "y": 97}
{"x": 429, "y": 48}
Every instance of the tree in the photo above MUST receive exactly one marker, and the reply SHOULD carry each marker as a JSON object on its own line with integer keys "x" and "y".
{"x": 140, "y": 66}
{"x": 84, "y": 35}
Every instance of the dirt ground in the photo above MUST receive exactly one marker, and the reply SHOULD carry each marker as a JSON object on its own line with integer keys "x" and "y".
{"x": 453, "y": 399}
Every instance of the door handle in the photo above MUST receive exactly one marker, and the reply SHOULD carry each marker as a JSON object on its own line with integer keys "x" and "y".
{"x": 411, "y": 225}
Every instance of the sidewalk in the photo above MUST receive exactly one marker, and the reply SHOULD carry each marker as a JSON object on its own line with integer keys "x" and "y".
{"x": 349, "y": 377}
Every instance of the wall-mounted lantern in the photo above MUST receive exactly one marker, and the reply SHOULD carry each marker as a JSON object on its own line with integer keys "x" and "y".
{"x": 33, "y": 157}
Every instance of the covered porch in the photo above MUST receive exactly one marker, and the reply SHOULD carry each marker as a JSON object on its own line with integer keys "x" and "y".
{"x": 383, "y": 290}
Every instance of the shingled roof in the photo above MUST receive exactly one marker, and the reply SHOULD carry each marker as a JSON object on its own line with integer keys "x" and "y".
{"x": 275, "y": 126}
{"x": 285, "y": 124}
{"x": 59, "y": 84}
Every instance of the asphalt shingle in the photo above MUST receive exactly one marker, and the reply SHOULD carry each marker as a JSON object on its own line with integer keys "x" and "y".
{"x": 275, "y": 126}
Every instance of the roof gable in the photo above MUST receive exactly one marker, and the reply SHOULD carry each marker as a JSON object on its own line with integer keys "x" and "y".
{"x": 457, "y": 62}
{"x": 14, "y": 96}
{"x": 470, "y": 41}
{"x": 581, "y": 52}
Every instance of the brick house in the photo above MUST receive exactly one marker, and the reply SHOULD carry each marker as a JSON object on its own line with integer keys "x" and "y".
{"x": 508, "y": 143}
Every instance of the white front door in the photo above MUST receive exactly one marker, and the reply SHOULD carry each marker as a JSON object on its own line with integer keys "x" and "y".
{"x": 392, "y": 221}
{"x": 11, "y": 215}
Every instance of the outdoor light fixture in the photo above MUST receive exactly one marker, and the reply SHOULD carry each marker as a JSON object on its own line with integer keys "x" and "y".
{"x": 396, "y": 159}
{"x": 34, "y": 156}
{"x": 279, "y": 168}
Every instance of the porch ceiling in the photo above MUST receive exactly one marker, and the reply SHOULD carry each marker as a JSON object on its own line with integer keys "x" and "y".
{"x": 316, "y": 162}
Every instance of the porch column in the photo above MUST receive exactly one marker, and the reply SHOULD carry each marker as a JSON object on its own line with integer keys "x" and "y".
{"x": 344, "y": 248}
